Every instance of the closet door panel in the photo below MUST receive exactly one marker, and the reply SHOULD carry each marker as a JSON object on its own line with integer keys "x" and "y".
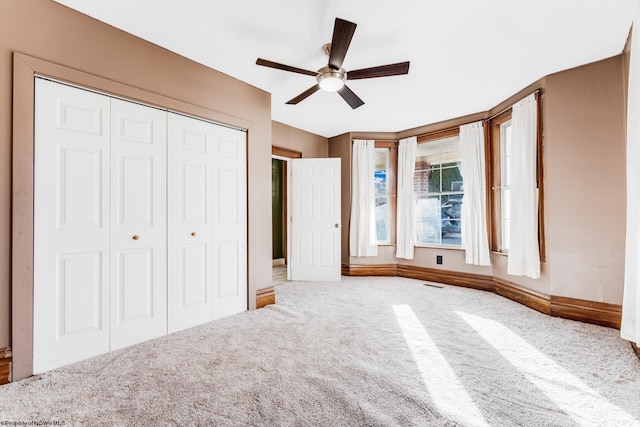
{"x": 135, "y": 284}
{"x": 138, "y": 226}
{"x": 229, "y": 222}
{"x": 189, "y": 211}
{"x": 71, "y": 225}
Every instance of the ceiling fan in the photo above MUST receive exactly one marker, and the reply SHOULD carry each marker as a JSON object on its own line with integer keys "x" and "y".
{"x": 332, "y": 77}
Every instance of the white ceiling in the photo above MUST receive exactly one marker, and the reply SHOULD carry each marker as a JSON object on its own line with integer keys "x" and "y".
{"x": 466, "y": 55}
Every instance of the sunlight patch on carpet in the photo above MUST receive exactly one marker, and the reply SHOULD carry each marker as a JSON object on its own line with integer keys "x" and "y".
{"x": 445, "y": 389}
{"x": 582, "y": 403}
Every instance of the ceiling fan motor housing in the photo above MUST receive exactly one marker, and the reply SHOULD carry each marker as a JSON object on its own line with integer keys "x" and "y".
{"x": 330, "y": 79}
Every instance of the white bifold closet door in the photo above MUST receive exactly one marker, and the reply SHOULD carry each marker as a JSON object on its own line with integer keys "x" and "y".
{"x": 72, "y": 221}
{"x": 189, "y": 216}
{"x": 229, "y": 222}
{"x": 207, "y": 222}
{"x": 99, "y": 224}
{"x": 138, "y": 223}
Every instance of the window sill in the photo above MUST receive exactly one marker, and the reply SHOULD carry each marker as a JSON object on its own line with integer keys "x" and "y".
{"x": 448, "y": 247}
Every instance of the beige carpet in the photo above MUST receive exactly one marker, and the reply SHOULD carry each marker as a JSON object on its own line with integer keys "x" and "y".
{"x": 364, "y": 352}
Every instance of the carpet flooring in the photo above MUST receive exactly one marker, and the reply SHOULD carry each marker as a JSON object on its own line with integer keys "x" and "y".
{"x": 363, "y": 352}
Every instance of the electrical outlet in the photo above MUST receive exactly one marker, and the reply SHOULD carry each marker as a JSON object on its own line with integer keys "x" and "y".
{"x": 438, "y": 259}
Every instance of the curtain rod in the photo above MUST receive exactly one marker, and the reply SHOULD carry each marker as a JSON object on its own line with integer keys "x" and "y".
{"x": 435, "y": 132}
{"x": 536, "y": 92}
{"x": 456, "y": 127}
{"x": 374, "y": 139}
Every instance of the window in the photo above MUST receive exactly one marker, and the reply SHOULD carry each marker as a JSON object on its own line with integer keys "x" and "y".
{"x": 438, "y": 187}
{"x": 382, "y": 191}
{"x": 499, "y": 176}
{"x": 505, "y": 183}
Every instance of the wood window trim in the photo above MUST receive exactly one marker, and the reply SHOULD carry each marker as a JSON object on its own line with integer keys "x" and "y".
{"x": 540, "y": 181}
{"x": 492, "y": 165}
{"x": 285, "y": 152}
{"x": 439, "y": 134}
{"x": 492, "y": 162}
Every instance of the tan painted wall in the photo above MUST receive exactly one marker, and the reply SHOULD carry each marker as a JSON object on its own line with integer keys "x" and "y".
{"x": 47, "y": 30}
{"x": 584, "y": 155}
{"x": 309, "y": 144}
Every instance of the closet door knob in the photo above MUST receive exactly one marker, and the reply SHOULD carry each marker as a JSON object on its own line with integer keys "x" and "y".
{"x": 193, "y": 233}
{"x": 135, "y": 237}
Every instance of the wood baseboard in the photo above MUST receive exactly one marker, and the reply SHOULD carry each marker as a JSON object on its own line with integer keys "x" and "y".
{"x": 345, "y": 270}
{"x": 265, "y": 297}
{"x": 598, "y": 313}
{"x": 5, "y": 365}
{"x": 532, "y": 299}
{"x": 373, "y": 270}
{"x": 467, "y": 280}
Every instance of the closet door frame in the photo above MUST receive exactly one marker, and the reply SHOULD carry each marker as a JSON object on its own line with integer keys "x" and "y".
{"x": 25, "y": 69}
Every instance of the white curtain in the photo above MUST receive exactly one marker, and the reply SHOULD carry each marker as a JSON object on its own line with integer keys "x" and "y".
{"x": 474, "y": 203}
{"x": 406, "y": 220}
{"x": 524, "y": 254}
{"x": 630, "y": 329}
{"x": 362, "y": 229}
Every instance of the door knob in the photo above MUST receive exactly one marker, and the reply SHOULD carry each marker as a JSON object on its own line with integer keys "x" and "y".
{"x": 338, "y": 226}
{"x": 193, "y": 233}
{"x": 135, "y": 237}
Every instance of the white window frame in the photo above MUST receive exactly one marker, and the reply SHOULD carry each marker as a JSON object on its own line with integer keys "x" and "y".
{"x": 387, "y": 154}
{"x": 440, "y": 194}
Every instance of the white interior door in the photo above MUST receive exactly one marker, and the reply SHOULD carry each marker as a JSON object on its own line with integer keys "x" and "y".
{"x": 71, "y": 225}
{"x": 229, "y": 189}
{"x": 190, "y": 144}
{"x": 138, "y": 223}
{"x": 315, "y": 219}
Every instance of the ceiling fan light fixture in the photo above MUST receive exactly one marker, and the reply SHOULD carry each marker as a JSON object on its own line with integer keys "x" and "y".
{"x": 332, "y": 77}
{"x": 331, "y": 80}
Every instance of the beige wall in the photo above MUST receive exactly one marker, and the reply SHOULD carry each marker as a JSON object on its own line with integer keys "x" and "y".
{"x": 584, "y": 187}
{"x": 49, "y": 31}
{"x": 309, "y": 144}
{"x": 584, "y": 158}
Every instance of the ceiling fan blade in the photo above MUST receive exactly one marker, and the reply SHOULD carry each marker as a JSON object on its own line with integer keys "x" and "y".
{"x": 278, "y": 66}
{"x": 342, "y": 35}
{"x": 381, "y": 71}
{"x": 304, "y": 95}
{"x": 351, "y": 98}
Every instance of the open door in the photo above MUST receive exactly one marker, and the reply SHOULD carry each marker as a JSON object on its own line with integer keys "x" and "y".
{"x": 315, "y": 220}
